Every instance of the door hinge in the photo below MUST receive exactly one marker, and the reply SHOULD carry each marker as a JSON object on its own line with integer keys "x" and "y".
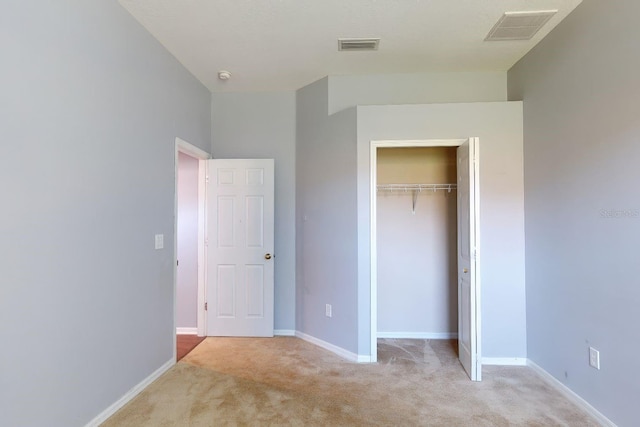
{"x": 177, "y": 263}
{"x": 206, "y": 179}
{"x": 206, "y": 306}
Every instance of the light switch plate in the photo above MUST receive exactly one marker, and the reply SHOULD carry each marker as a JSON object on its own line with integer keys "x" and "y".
{"x": 594, "y": 358}
{"x": 159, "y": 241}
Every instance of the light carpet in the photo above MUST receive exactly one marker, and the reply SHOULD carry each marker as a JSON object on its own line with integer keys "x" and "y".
{"x": 286, "y": 381}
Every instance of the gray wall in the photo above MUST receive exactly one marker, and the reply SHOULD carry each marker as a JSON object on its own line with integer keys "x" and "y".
{"x": 330, "y": 256}
{"x": 263, "y": 125}
{"x": 499, "y": 127}
{"x": 417, "y": 265}
{"x": 326, "y": 260}
{"x": 580, "y": 88}
{"x": 415, "y": 88}
{"x": 187, "y": 243}
{"x": 90, "y": 107}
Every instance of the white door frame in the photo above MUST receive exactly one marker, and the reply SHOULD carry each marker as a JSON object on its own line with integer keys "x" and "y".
{"x": 182, "y": 146}
{"x": 373, "y": 200}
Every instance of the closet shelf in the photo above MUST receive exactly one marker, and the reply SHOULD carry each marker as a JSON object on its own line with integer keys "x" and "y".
{"x": 415, "y": 189}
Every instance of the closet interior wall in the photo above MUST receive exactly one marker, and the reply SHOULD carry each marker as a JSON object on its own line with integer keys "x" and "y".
{"x": 417, "y": 250}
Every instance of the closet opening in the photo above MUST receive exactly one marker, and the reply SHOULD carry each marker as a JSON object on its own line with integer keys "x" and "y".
{"x": 417, "y": 243}
{"x": 424, "y": 245}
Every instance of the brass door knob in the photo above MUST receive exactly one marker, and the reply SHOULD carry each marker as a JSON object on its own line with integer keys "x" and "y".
{"x": 465, "y": 270}
{"x": 267, "y": 256}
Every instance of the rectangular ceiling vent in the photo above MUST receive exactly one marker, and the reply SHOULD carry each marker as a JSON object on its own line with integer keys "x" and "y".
{"x": 519, "y": 25}
{"x": 358, "y": 44}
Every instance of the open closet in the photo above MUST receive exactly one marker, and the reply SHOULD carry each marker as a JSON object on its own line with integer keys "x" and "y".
{"x": 417, "y": 242}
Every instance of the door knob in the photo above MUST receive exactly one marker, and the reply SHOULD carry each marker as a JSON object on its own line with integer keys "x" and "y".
{"x": 465, "y": 270}
{"x": 267, "y": 256}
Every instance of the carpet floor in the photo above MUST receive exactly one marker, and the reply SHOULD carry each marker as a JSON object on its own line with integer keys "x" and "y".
{"x": 287, "y": 381}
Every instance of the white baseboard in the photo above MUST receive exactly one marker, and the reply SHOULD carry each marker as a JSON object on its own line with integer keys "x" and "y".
{"x": 571, "y": 395}
{"x": 363, "y": 358}
{"x": 346, "y": 354}
{"x": 284, "y": 332}
{"x": 420, "y": 335}
{"x": 102, "y": 417}
{"x": 187, "y": 331}
{"x": 505, "y": 361}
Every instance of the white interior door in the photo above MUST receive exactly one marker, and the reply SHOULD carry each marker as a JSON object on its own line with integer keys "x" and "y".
{"x": 240, "y": 210}
{"x": 468, "y": 243}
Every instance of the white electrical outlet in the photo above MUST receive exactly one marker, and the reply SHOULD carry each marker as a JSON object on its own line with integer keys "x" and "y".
{"x": 594, "y": 358}
{"x": 327, "y": 310}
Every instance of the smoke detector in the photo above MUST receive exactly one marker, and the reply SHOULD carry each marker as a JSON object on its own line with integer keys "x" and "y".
{"x": 358, "y": 44}
{"x": 519, "y": 25}
{"x": 224, "y": 75}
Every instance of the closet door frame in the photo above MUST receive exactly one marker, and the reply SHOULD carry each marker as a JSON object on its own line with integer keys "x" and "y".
{"x": 373, "y": 199}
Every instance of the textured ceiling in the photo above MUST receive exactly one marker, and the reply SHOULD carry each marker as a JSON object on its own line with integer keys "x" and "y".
{"x": 286, "y": 44}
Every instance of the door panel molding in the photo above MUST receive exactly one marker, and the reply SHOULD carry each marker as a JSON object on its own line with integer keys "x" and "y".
{"x": 240, "y": 218}
{"x": 468, "y": 244}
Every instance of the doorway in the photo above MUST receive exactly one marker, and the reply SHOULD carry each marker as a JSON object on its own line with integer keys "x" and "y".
{"x": 189, "y": 244}
{"x": 417, "y": 243}
{"x": 464, "y": 269}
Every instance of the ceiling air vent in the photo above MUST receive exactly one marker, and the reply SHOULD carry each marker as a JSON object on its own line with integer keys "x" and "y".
{"x": 519, "y": 25}
{"x": 358, "y": 44}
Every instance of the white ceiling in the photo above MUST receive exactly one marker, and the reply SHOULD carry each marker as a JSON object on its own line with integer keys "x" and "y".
{"x": 285, "y": 44}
